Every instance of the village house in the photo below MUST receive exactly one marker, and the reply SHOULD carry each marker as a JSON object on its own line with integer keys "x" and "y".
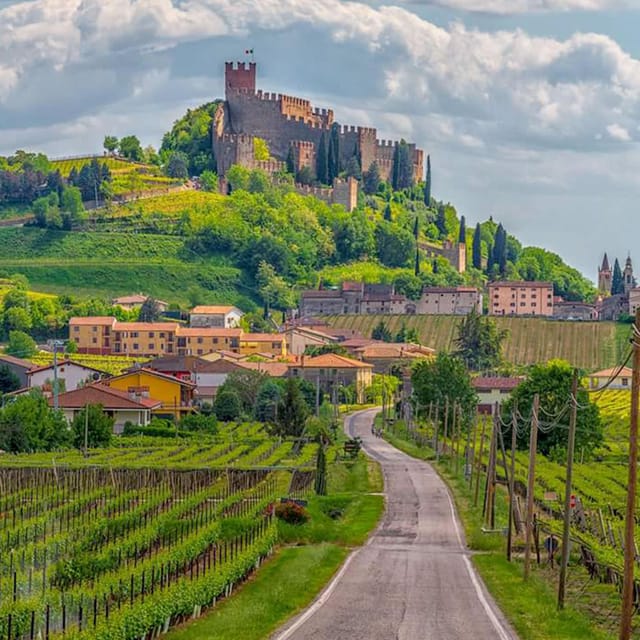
{"x": 71, "y": 375}
{"x": 602, "y": 378}
{"x": 492, "y": 389}
{"x": 20, "y": 368}
{"x": 215, "y": 316}
{"x": 564, "y": 310}
{"x": 115, "y": 403}
{"x": 352, "y": 298}
{"x": 452, "y": 301}
{"x": 384, "y": 355}
{"x": 299, "y": 338}
{"x": 129, "y": 303}
{"x": 176, "y": 397}
{"x": 330, "y": 371}
{"x": 520, "y": 298}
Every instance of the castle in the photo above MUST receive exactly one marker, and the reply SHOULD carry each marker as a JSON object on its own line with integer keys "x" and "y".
{"x": 293, "y": 129}
{"x": 624, "y": 299}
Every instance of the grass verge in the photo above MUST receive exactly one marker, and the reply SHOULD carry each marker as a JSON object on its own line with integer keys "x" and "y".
{"x": 529, "y": 606}
{"x": 311, "y": 554}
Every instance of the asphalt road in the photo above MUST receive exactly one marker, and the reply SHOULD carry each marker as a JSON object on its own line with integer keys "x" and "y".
{"x": 413, "y": 580}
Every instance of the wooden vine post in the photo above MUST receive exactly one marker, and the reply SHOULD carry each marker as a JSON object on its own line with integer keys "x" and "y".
{"x": 533, "y": 445}
{"x": 629, "y": 524}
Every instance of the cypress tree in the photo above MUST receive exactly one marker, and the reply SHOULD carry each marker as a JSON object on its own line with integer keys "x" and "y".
{"x": 441, "y": 221}
{"x": 387, "y": 212}
{"x": 476, "y": 250}
{"x": 489, "y": 260}
{"x": 427, "y": 184}
{"x": 462, "y": 236}
{"x": 617, "y": 282}
{"x": 416, "y": 227}
{"x": 321, "y": 472}
{"x": 291, "y": 164}
{"x": 333, "y": 161}
{"x": 402, "y": 167}
{"x": 416, "y": 266}
{"x": 322, "y": 161}
{"x": 500, "y": 249}
{"x": 371, "y": 179}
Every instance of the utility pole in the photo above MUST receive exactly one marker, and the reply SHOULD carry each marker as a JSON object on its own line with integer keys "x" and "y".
{"x": 55, "y": 375}
{"x": 533, "y": 444}
{"x": 479, "y": 463}
{"x": 512, "y": 483}
{"x": 567, "y": 490}
{"x": 629, "y": 524}
{"x": 86, "y": 430}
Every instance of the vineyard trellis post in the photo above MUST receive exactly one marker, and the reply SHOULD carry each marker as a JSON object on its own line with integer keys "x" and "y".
{"x": 512, "y": 483}
{"x": 629, "y": 541}
{"x": 567, "y": 490}
{"x": 533, "y": 445}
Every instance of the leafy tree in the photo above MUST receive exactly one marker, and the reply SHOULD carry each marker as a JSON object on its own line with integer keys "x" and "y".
{"x": 352, "y": 168}
{"x": 267, "y": 399}
{"x": 322, "y": 161}
{"x": 246, "y": 384}
{"x": 227, "y": 405}
{"x": 9, "y": 381}
{"x": 371, "y": 179}
{"x": 412, "y": 336}
{"x": 178, "y": 165}
{"x": 130, "y": 148}
{"x": 552, "y": 382}
{"x": 401, "y": 336}
{"x": 192, "y": 135}
{"x": 292, "y": 410}
{"x": 98, "y": 424}
{"x": 395, "y": 245}
{"x": 462, "y": 235}
{"x": 273, "y": 289}
{"x": 305, "y": 176}
{"x": 476, "y": 251}
{"x": 261, "y": 149}
{"x": 381, "y": 332}
{"x": 18, "y": 319}
{"x": 617, "y": 281}
{"x": 27, "y": 424}
{"x": 21, "y": 345}
{"x": 319, "y": 350}
{"x": 71, "y": 203}
{"x": 353, "y": 236}
{"x": 209, "y": 180}
{"x": 427, "y": 184}
{"x": 444, "y": 377}
{"x": 150, "y": 310}
{"x": 110, "y": 144}
{"x": 479, "y": 342}
{"x": 205, "y": 422}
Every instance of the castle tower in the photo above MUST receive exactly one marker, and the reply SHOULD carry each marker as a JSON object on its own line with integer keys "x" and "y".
{"x": 604, "y": 276}
{"x": 627, "y": 276}
{"x": 239, "y": 78}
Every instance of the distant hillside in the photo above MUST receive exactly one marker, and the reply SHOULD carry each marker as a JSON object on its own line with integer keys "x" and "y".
{"x": 589, "y": 345}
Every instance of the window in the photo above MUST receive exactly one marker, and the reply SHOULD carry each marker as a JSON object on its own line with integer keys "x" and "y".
{"x": 77, "y": 340}
{"x": 199, "y": 340}
{"x": 76, "y": 329}
{"x": 215, "y": 341}
{"x": 513, "y": 304}
{"x": 151, "y": 334}
{"x": 94, "y": 329}
{"x": 533, "y": 296}
{"x": 135, "y": 346}
{"x": 94, "y": 340}
{"x": 152, "y": 346}
{"x": 625, "y": 382}
{"x": 161, "y": 334}
{"x": 523, "y": 304}
{"x": 199, "y": 352}
{"x": 134, "y": 334}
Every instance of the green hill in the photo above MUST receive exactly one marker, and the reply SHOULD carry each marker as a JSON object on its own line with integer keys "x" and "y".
{"x": 590, "y": 345}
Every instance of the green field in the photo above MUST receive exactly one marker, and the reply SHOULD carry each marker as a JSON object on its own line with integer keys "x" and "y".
{"x": 108, "y": 264}
{"x": 590, "y": 345}
{"x": 114, "y": 164}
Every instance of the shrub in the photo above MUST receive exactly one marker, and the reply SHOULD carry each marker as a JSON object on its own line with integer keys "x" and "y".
{"x": 291, "y": 513}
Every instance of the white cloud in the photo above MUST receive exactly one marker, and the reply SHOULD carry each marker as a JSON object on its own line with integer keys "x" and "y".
{"x": 511, "y": 7}
{"x": 618, "y": 132}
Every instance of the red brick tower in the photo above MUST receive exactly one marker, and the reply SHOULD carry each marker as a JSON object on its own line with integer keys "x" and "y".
{"x": 240, "y": 77}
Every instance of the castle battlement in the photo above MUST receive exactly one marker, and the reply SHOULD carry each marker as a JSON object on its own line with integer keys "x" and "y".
{"x": 302, "y": 144}
{"x": 270, "y": 166}
{"x": 387, "y": 143}
{"x": 237, "y": 137}
{"x": 367, "y": 131}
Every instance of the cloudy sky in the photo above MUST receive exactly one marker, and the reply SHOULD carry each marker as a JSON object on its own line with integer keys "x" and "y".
{"x": 529, "y": 108}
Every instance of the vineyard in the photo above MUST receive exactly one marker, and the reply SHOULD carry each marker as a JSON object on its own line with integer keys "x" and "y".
{"x": 65, "y": 166}
{"x": 590, "y": 345}
{"x": 130, "y": 540}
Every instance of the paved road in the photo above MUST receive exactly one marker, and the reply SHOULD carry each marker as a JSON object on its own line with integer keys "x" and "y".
{"x": 413, "y": 580}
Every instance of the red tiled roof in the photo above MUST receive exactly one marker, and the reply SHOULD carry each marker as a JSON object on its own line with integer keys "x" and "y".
{"x": 332, "y": 361}
{"x": 626, "y": 372}
{"x": 213, "y": 309}
{"x": 263, "y": 337}
{"x": 106, "y": 396}
{"x": 90, "y": 321}
{"x": 519, "y": 283}
{"x": 209, "y": 332}
{"x": 146, "y": 326}
{"x": 63, "y": 363}
{"x": 496, "y": 382}
{"x": 274, "y": 369}
{"x": 428, "y": 290}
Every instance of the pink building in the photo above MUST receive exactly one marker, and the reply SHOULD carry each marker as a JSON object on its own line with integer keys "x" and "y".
{"x": 521, "y": 298}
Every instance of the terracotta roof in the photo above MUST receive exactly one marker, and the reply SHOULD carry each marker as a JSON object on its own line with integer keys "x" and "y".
{"x": 209, "y": 332}
{"x": 332, "y": 361}
{"x": 64, "y": 363}
{"x": 356, "y": 343}
{"x": 176, "y": 363}
{"x": 221, "y": 365}
{"x": 17, "y": 362}
{"x": 314, "y": 333}
{"x": 626, "y": 372}
{"x": 213, "y": 309}
{"x": 519, "y": 283}
{"x": 273, "y": 369}
{"x": 106, "y": 396}
{"x": 322, "y": 293}
{"x": 151, "y": 372}
{"x": 428, "y": 290}
{"x": 263, "y": 337}
{"x": 352, "y": 286}
{"x": 90, "y": 321}
{"x": 146, "y": 326}
{"x": 495, "y": 382}
{"x": 385, "y": 350}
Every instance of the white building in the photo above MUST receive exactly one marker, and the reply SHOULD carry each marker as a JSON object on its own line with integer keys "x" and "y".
{"x": 71, "y": 374}
{"x": 215, "y": 316}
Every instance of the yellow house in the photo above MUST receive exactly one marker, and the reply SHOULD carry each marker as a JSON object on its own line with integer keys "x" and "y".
{"x": 274, "y": 344}
{"x": 175, "y": 396}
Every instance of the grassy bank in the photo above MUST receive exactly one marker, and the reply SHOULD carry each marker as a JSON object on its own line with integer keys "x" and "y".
{"x": 529, "y": 606}
{"x": 309, "y": 555}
